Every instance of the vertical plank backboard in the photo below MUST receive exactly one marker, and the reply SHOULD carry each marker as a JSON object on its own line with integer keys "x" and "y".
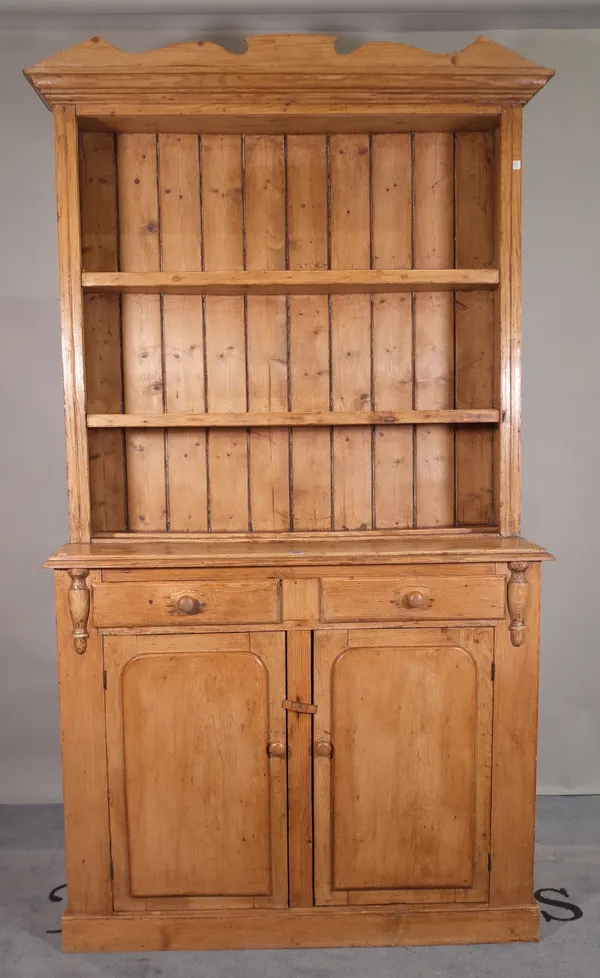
{"x": 309, "y": 331}
{"x": 351, "y": 331}
{"x": 434, "y": 326}
{"x": 264, "y": 181}
{"x": 183, "y": 329}
{"x": 102, "y": 329}
{"x": 141, "y": 330}
{"x": 391, "y": 179}
{"x": 222, "y": 209}
{"x": 71, "y": 317}
{"x": 474, "y": 324}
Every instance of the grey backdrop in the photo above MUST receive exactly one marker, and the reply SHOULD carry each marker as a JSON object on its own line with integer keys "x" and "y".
{"x": 561, "y": 346}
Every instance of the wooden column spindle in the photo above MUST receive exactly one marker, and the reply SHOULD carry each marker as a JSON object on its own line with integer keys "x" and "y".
{"x": 517, "y": 601}
{"x": 79, "y": 608}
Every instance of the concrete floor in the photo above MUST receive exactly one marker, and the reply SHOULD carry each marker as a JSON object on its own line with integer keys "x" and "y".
{"x": 568, "y": 857}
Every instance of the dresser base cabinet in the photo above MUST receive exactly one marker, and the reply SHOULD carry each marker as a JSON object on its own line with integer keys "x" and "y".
{"x": 304, "y": 783}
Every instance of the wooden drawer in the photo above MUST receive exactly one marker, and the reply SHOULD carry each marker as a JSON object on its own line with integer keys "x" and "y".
{"x": 186, "y": 603}
{"x": 406, "y": 599}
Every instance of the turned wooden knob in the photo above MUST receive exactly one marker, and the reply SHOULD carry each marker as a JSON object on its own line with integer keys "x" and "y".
{"x": 187, "y": 605}
{"x": 417, "y": 600}
{"x": 323, "y": 748}
{"x": 276, "y": 748}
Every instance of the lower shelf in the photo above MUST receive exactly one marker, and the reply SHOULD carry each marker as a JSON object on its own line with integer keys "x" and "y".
{"x": 323, "y": 927}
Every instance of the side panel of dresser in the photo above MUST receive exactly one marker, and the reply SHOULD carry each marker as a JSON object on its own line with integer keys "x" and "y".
{"x": 515, "y": 747}
{"x": 83, "y": 745}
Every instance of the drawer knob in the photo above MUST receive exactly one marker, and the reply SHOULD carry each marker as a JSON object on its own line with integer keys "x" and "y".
{"x": 323, "y": 748}
{"x": 187, "y": 605}
{"x": 417, "y": 600}
{"x": 277, "y": 748}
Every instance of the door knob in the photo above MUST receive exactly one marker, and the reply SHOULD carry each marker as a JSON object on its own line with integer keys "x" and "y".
{"x": 323, "y": 748}
{"x": 417, "y": 600}
{"x": 187, "y": 605}
{"x": 277, "y": 748}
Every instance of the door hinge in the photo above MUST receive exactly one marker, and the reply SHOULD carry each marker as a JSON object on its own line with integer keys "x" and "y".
{"x": 489, "y": 862}
{"x": 104, "y": 683}
{"x": 493, "y": 671}
{"x": 295, "y": 707}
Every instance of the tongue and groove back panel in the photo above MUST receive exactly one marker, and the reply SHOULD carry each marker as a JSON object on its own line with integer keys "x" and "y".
{"x": 224, "y": 203}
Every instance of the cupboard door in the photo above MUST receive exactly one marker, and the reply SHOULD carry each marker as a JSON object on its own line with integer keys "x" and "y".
{"x": 402, "y": 765}
{"x": 196, "y": 744}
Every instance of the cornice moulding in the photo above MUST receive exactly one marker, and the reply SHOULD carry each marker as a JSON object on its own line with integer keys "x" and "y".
{"x": 285, "y": 69}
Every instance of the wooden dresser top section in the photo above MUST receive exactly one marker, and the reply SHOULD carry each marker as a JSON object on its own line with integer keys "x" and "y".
{"x": 297, "y": 550}
{"x": 288, "y": 76}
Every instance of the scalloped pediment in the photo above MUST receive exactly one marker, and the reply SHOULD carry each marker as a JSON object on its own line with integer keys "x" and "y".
{"x": 287, "y": 51}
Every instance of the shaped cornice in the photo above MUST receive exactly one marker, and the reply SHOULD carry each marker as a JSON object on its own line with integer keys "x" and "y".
{"x": 280, "y": 69}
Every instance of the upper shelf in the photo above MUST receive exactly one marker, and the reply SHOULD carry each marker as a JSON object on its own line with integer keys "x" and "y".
{"x": 293, "y": 282}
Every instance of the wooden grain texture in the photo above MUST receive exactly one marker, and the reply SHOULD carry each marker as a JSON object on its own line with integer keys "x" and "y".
{"x": 366, "y": 725}
{"x": 373, "y": 776}
{"x": 141, "y": 330}
{"x": 299, "y": 734}
{"x": 234, "y": 801}
{"x": 350, "y": 215}
{"x": 507, "y": 456}
{"x": 222, "y": 209}
{"x": 183, "y": 330}
{"x": 434, "y": 327}
{"x": 210, "y": 81}
{"x": 102, "y": 329}
{"x": 327, "y": 646}
{"x": 97, "y": 201}
{"x": 71, "y": 317}
{"x": 305, "y": 281}
{"x": 515, "y": 754}
{"x": 292, "y": 318}
{"x": 391, "y": 190}
{"x": 517, "y": 600}
{"x": 358, "y": 927}
{"x": 388, "y": 598}
{"x": 474, "y": 325}
{"x": 298, "y": 550}
{"x": 265, "y": 225}
{"x": 307, "y": 222}
{"x": 292, "y": 418}
{"x": 83, "y": 747}
{"x": 269, "y": 648}
{"x": 298, "y": 601}
{"x": 157, "y": 604}
{"x": 300, "y": 598}
{"x": 157, "y": 117}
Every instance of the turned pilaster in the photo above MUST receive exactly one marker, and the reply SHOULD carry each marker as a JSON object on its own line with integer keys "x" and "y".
{"x": 79, "y": 608}
{"x": 517, "y": 600}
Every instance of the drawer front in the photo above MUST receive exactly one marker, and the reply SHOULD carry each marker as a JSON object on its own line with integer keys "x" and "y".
{"x": 186, "y": 603}
{"x": 405, "y": 599}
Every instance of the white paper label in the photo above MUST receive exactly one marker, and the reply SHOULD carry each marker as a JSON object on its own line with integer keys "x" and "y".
{"x": 516, "y": 164}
